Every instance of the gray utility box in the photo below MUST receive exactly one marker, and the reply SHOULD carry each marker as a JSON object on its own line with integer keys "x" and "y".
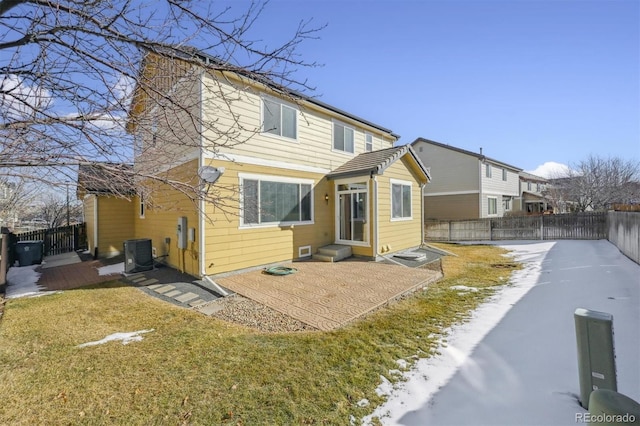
{"x": 596, "y": 355}
{"x": 29, "y": 252}
{"x": 138, "y": 255}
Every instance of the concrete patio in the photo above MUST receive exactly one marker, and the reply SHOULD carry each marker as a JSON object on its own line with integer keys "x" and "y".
{"x": 323, "y": 295}
{"x": 330, "y": 295}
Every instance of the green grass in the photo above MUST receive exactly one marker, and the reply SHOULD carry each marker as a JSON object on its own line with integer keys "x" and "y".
{"x": 194, "y": 369}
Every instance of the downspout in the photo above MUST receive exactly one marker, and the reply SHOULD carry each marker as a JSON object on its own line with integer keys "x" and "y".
{"x": 422, "y": 225}
{"x": 95, "y": 226}
{"x": 480, "y": 189}
{"x": 201, "y": 202}
{"x": 376, "y": 217}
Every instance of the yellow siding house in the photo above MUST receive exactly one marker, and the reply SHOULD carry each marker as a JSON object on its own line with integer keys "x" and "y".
{"x": 306, "y": 175}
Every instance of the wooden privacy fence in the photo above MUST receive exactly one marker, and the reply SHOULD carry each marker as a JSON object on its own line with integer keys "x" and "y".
{"x": 63, "y": 239}
{"x": 575, "y": 226}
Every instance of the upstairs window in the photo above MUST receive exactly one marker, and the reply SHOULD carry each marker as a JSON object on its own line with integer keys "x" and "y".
{"x": 141, "y": 206}
{"x": 488, "y": 170}
{"x": 279, "y": 119}
{"x": 368, "y": 142}
{"x": 504, "y": 174}
{"x": 343, "y": 137}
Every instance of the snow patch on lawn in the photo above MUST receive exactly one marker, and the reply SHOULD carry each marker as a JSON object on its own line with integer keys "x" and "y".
{"x": 463, "y": 288}
{"x": 126, "y": 338}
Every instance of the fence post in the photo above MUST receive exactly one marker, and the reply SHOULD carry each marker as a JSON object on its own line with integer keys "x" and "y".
{"x": 449, "y": 229}
{"x": 4, "y": 262}
{"x": 541, "y": 227}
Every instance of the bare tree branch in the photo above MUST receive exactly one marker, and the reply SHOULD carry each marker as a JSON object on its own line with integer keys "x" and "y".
{"x": 68, "y": 69}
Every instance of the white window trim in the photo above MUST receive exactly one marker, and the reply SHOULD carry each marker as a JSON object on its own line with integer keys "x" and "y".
{"x": 346, "y": 126}
{"x": 507, "y": 203}
{"x": 336, "y": 193}
{"x": 488, "y": 173}
{"x": 404, "y": 183}
{"x": 281, "y": 102}
{"x": 281, "y": 179}
{"x": 492, "y": 214}
{"x": 505, "y": 175}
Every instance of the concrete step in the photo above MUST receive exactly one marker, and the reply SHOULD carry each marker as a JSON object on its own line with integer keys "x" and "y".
{"x": 333, "y": 253}
{"x": 322, "y": 257}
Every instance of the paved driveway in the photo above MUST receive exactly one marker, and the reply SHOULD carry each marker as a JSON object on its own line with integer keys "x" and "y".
{"x": 329, "y": 295}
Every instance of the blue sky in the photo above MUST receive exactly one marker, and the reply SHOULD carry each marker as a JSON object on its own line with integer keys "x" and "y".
{"x": 528, "y": 81}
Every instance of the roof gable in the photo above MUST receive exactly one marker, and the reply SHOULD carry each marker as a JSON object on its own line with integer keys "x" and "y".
{"x": 376, "y": 162}
{"x": 479, "y": 156}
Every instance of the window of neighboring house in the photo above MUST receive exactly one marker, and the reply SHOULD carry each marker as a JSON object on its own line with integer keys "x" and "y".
{"x": 488, "y": 170}
{"x": 343, "y": 137}
{"x": 537, "y": 187}
{"x": 275, "y": 201}
{"x": 504, "y": 174}
{"x": 506, "y": 203}
{"x": 368, "y": 142}
{"x": 492, "y": 205}
{"x": 279, "y": 119}
{"x": 400, "y": 200}
{"x": 528, "y": 186}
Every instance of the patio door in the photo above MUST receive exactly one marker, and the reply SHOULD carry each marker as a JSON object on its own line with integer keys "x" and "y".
{"x": 352, "y": 212}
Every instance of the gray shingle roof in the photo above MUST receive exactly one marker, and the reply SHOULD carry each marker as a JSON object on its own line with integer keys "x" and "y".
{"x": 375, "y": 162}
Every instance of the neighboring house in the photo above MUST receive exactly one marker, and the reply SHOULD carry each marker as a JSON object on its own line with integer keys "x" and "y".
{"x": 466, "y": 185}
{"x": 532, "y": 199}
{"x": 306, "y": 176}
{"x": 108, "y": 213}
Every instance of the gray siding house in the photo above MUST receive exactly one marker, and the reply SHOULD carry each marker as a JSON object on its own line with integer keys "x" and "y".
{"x": 465, "y": 184}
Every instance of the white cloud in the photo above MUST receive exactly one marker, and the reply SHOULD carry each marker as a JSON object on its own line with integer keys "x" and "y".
{"x": 123, "y": 88}
{"x": 550, "y": 169}
{"x": 19, "y": 99}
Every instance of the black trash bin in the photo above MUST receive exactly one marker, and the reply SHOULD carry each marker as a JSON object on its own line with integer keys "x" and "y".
{"x": 29, "y": 252}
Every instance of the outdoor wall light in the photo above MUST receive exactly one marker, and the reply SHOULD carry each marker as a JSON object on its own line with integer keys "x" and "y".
{"x": 326, "y": 198}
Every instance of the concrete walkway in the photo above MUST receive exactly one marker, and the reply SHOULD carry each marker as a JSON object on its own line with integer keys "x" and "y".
{"x": 174, "y": 287}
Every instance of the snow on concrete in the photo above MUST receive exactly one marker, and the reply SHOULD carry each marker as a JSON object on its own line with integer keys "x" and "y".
{"x": 126, "y": 338}
{"x": 118, "y": 268}
{"x": 22, "y": 281}
{"x": 515, "y": 361}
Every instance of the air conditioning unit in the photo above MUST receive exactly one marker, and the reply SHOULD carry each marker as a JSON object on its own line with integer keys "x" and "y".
{"x": 138, "y": 256}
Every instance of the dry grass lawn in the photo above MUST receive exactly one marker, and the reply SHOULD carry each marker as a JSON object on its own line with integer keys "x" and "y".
{"x": 194, "y": 369}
